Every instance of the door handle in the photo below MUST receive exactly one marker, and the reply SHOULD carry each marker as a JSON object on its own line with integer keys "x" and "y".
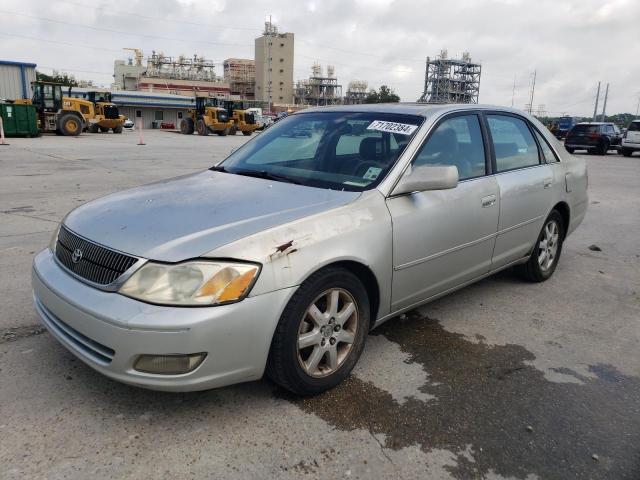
{"x": 548, "y": 182}
{"x": 488, "y": 201}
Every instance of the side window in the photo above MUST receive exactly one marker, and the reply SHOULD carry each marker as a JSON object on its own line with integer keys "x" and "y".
{"x": 159, "y": 115}
{"x": 513, "y": 143}
{"x": 547, "y": 151}
{"x": 456, "y": 141}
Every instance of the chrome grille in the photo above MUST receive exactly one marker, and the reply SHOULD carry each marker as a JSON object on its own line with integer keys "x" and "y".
{"x": 97, "y": 264}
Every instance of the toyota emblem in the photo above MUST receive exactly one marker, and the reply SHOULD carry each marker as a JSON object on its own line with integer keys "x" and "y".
{"x": 76, "y": 256}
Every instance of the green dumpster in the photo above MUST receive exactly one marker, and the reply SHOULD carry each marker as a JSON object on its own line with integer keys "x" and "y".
{"x": 19, "y": 120}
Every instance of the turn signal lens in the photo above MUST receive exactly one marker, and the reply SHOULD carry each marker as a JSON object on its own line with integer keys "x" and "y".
{"x": 169, "y": 364}
{"x": 195, "y": 283}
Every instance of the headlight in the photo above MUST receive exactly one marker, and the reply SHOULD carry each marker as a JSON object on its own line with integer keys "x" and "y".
{"x": 194, "y": 283}
{"x": 54, "y": 239}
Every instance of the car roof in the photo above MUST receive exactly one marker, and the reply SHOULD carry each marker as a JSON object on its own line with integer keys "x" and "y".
{"x": 421, "y": 109}
{"x": 594, "y": 123}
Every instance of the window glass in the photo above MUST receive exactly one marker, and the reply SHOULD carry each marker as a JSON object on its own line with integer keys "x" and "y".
{"x": 634, "y": 127}
{"x": 513, "y": 143}
{"x": 337, "y": 150}
{"x": 547, "y": 152}
{"x": 159, "y": 115}
{"x": 456, "y": 141}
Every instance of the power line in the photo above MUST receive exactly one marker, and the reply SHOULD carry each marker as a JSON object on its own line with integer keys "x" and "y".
{"x": 119, "y": 32}
{"x": 156, "y": 19}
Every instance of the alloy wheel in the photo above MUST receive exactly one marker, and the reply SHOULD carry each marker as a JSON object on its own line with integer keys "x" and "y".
{"x": 548, "y": 245}
{"x": 327, "y": 332}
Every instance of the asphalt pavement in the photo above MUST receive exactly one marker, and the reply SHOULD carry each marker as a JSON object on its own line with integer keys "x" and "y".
{"x": 503, "y": 379}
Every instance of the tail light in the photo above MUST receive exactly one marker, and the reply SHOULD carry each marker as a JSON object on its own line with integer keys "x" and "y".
{"x": 594, "y": 136}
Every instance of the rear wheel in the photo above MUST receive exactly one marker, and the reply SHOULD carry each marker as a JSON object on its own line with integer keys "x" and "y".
{"x": 604, "y": 148}
{"x": 321, "y": 333}
{"x": 117, "y": 129}
{"x": 186, "y": 126}
{"x": 570, "y": 150}
{"x": 93, "y": 128}
{"x": 626, "y": 152}
{"x": 70, "y": 125}
{"x": 546, "y": 253}
{"x": 201, "y": 127}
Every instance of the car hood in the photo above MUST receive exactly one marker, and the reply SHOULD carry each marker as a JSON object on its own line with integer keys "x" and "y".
{"x": 187, "y": 217}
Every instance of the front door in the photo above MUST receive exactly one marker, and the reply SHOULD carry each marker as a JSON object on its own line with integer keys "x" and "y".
{"x": 444, "y": 238}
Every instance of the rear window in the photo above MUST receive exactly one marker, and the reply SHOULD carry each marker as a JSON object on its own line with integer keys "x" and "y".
{"x": 586, "y": 128}
{"x": 634, "y": 126}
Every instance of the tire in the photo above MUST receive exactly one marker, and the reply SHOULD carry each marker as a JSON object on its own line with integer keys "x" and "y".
{"x": 186, "y": 126}
{"x": 569, "y": 149}
{"x": 104, "y": 129}
{"x": 233, "y": 131}
{"x": 627, "y": 152}
{"x": 604, "y": 148}
{"x": 70, "y": 125}
{"x": 247, "y": 133}
{"x": 93, "y": 128}
{"x": 223, "y": 133}
{"x": 202, "y": 128}
{"x": 117, "y": 129}
{"x": 533, "y": 270}
{"x": 293, "y": 368}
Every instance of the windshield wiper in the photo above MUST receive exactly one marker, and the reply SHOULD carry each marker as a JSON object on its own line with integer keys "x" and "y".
{"x": 266, "y": 175}
{"x": 219, "y": 168}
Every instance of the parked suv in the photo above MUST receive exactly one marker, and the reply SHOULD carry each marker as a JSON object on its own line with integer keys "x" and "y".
{"x": 631, "y": 139}
{"x": 595, "y": 137}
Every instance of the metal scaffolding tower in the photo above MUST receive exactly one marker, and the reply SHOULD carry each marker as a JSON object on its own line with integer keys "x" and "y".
{"x": 450, "y": 80}
{"x": 318, "y": 89}
{"x": 356, "y": 92}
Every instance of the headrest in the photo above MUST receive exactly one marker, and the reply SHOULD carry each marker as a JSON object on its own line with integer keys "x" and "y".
{"x": 371, "y": 149}
{"x": 443, "y": 140}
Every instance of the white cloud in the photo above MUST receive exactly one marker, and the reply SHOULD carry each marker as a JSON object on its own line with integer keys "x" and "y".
{"x": 572, "y": 44}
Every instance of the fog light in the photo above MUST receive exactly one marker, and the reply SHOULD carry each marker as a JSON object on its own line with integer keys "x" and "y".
{"x": 169, "y": 364}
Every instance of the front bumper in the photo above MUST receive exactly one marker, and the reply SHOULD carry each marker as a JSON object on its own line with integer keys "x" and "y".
{"x": 108, "y": 331}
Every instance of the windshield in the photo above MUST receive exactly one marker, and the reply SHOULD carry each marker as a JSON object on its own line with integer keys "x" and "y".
{"x": 336, "y": 150}
{"x": 634, "y": 126}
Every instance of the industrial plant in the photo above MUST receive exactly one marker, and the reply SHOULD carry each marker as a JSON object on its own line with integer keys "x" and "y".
{"x": 449, "y": 80}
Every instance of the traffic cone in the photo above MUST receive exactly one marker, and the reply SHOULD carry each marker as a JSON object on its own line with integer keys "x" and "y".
{"x": 2, "y": 142}
{"x": 141, "y": 137}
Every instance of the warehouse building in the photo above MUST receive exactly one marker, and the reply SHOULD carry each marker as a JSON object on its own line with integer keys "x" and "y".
{"x": 151, "y": 107}
{"x": 15, "y": 79}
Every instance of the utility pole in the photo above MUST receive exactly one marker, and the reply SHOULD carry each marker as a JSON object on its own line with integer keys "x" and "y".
{"x": 595, "y": 109}
{"x": 638, "y": 106}
{"x": 533, "y": 88}
{"x": 604, "y": 105}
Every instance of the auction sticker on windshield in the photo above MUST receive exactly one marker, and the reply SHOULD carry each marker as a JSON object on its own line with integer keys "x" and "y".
{"x": 392, "y": 127}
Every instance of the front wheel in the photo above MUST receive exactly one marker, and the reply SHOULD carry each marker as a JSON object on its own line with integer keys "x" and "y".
{"x": 569, "y": 149}
{"x": 546, "y": 253}
{"x": 321, "y": 333}
{"x": 201, "y": 127}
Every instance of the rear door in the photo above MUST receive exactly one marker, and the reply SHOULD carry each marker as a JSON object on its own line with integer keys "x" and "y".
{"x": 524, "y": 181}
{"x": 633, "y": 134}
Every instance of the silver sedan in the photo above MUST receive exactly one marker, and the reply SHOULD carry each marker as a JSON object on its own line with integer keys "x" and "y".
{"x": 284, "y": 256}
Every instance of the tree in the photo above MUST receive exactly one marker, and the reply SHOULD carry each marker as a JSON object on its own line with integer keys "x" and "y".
{"x": 385, "y": 95}
{"x": 56, "y": 77}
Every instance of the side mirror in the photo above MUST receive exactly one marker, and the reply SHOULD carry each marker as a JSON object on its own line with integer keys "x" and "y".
{"x": 427, "y": 177}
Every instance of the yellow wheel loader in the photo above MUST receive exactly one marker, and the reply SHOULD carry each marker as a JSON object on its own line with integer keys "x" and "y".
{"x": 243, "y": 120}
{"x": 107, "y": 116}
{"x": 206, "y": 118}
{"x": 62, "y": 115}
